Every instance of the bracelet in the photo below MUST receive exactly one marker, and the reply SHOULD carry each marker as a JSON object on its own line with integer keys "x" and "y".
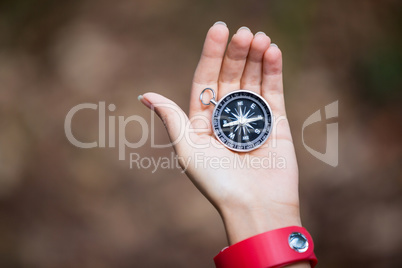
{"x": 272, "y": 249}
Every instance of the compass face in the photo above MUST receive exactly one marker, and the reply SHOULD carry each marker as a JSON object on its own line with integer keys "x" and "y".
{"x": 242, "y": 120}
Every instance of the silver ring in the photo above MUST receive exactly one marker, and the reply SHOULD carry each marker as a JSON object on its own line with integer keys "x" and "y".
{"x": 202, "y": 93}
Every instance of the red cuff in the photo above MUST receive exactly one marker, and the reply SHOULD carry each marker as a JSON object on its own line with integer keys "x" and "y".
{"x": 272, "y": 249}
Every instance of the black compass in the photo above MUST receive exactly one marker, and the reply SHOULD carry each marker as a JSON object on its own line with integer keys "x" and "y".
{"x": 242, "y": 120}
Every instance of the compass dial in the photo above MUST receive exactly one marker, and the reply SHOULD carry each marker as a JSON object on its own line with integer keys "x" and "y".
{"x": 242, "y": 120}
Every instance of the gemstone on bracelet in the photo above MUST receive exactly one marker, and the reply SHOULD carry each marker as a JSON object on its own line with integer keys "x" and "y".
{"x": 298, "y": 242}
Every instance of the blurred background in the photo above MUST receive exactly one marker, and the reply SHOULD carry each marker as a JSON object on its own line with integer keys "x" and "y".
{"x": 62, "y": 206}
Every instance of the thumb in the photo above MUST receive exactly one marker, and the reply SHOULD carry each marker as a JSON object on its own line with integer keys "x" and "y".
{"x": 172, "y": 116}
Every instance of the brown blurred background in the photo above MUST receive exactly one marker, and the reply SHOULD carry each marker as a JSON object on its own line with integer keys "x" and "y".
{"x": 62, "y": 206}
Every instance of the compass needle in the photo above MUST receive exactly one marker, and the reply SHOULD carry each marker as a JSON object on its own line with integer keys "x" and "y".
{"x": 233, "y": 123}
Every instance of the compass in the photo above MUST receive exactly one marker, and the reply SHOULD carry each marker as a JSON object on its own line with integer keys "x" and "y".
{"x": 241, "y": 120}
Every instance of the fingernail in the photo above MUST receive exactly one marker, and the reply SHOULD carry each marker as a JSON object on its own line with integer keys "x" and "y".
{"x": 260, "y": 33}
{"x": 273, "y": 45}
{"x": 144, "y": 101}
{"x": 221, "y": 23}
{"x": 244, "y": 28}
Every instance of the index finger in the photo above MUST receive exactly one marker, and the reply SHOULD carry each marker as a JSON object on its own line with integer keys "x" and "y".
{"x": 209, "y": 67}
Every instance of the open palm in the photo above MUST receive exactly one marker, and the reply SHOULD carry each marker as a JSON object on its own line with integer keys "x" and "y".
{"x": 258, "y": 188}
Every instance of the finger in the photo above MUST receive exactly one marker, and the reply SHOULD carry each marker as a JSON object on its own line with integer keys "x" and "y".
{"x": 234, "y": 61}
{"x": 252, "y": 75}
{"x": 272, "y": 85}
{"x": 172, "y": 116}
{"x": 209, "y": 66}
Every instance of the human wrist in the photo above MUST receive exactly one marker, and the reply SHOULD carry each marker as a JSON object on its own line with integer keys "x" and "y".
{"x": 242, "y": 223}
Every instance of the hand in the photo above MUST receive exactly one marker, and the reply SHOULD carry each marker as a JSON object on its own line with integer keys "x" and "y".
{"x": 250, "y": 199}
